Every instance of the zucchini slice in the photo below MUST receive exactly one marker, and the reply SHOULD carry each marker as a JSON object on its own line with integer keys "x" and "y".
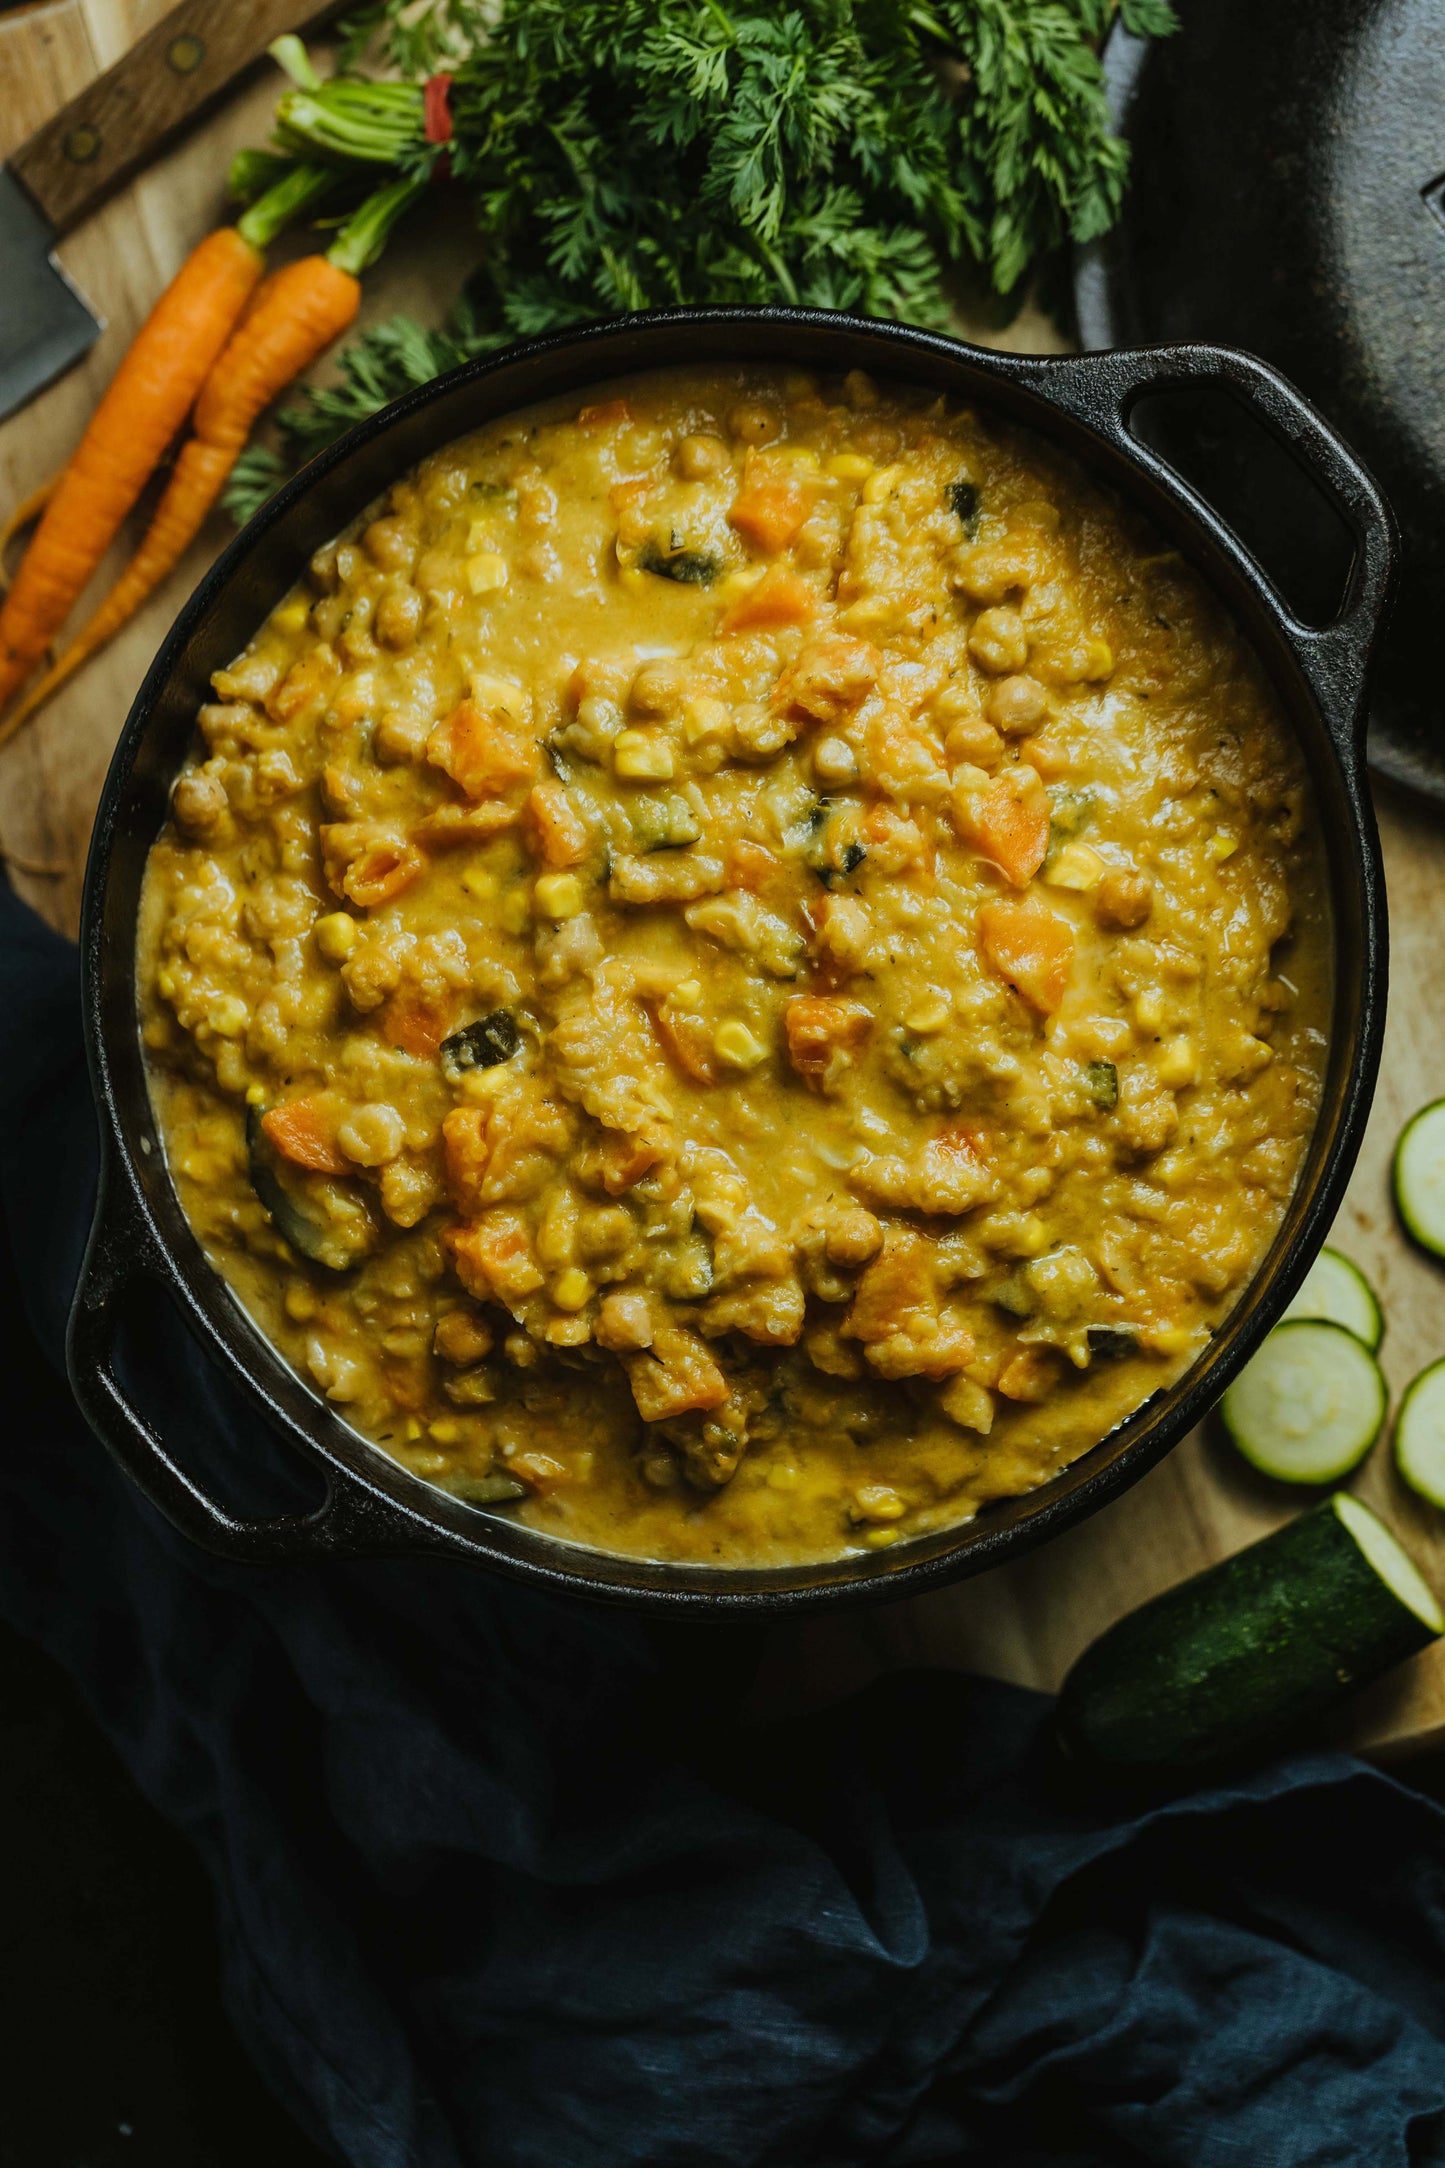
{"x": 1250, "y": 1650}
{"x": 1310, "y": 1404}
{"x": 1338, "y": 1292}
{"x": 1418, "y": 1174}
{"x": 1420, "y": 1435}
{"x": 327, "y": 1222}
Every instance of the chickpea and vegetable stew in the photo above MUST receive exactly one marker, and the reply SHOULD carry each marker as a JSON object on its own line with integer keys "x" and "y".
{"x": 742, "y": 969}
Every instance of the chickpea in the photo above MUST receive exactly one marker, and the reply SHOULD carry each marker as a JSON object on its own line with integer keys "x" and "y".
{"x": 698, "y": 458}
{"x": 604, "y": 1233}
{"x": 998, "y": 642}
{"x": 624, "y": 1323}
{"x": 854, "y": 1235}
{"x": 973, "y": 740}
{"x": 321, "y": 571}
{"x": 753, "y": 423}
{"x": 1123, "y": 900}
{"x": 658, "y": 688}
{"x": 398, "y": 618}
{"x": 1016, "y": 705}
{"x": 390, "y": 543}
{"x": 859, "y": 389}
{"x": 399, "y": 737}
{"x": 199, "y": 803}
{"x": 372, "y": 1134}
{"x": 462, "y": 1337}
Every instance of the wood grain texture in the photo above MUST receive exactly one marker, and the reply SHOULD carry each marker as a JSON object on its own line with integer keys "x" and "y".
{"x": 161, "y": 84}
{"x": 1024, "y": 1622}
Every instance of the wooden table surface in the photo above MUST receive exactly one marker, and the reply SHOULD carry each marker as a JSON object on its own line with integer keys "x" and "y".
{"x": 1024, "y": 1622}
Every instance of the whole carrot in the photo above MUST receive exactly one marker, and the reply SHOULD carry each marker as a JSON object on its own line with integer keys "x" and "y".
{"x": 293, "y": 319}
{"x": 168, "y": 361}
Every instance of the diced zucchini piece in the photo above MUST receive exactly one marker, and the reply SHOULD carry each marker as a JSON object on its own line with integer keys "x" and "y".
{"x": 328, "y": 1222}
{"x": 1246, "y": 1653}
{"x": 1310, "y": 1404}
{"x": 1101, "y": 1082}
{"x": 662, "y": 821}
{"x": 1336, "y": 1290}
{"x": 482, "y": 1045}
{"x": 690, "y": 568}
{"x": 963, "y": 500}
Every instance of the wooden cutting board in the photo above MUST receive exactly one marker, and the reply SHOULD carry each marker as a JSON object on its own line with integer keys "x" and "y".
{"x": 1024, "y": 1622}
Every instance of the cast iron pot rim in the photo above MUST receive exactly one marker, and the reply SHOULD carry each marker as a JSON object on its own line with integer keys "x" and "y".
{"x": 374, "y": 1506}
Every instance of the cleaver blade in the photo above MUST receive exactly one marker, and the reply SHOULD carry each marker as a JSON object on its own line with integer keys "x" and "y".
{"x": 45, "y": 323}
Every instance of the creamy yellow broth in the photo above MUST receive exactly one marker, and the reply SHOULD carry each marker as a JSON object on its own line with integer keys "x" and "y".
{"x": 741, "y": 970}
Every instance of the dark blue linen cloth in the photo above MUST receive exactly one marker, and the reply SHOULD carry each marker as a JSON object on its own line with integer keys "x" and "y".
{"x": 502, "y": 1880}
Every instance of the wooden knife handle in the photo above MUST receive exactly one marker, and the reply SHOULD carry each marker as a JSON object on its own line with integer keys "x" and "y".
{"x": 164, "y": 81}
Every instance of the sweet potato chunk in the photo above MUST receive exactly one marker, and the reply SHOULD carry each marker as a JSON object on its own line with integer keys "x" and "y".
{"x": 493, "y": 1259}
{"x": 417, "y": 1022}
{"x": 823, "y": 1035}
{"x": 829, "y": 678}
{"x": 772, "y": 504}
{"x": 1031, "y": 947}
{"x": 481, "y": 749}
{"x": 304, "y": 1131}
{"x": 1007, "y": 821}
{"x": 368, "y": 862}
{"x": 780, "y": 598}
{"x": 554, "y": 828}
{"x": 675, "y": 1375}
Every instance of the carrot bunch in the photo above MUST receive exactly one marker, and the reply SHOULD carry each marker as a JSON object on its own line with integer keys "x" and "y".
{"x": 219, "y": 345}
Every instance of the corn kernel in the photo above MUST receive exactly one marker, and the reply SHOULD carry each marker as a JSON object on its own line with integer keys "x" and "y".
{"x": 878, "y": 1539}
{"x": 703, "y": 717}
{"x": 255, "y": 1095}
{"x": 444, "y": 1431}
{"x": 486, "y": 572}
{"x": 479, "y": 882}
{"x": 931, "y": 1014}
{"x": 413, "y": 1429}
{"x": 736, "y": 1045}
{"x": 299, "y": 1303}
{"x": 336, "y": 935}
{"x": 558, "y": 895}
{"x": 516, "y": 912}
{"x": 1077, "y": 865}
{"x": 292, "y": 616}
{"x": 1168, "y": 1339}
{"x": 1178, "y": 1064}
{"x": 642, "y": 756}
{"x": 572, "y": 1290}
{"x": 877, "y": 1502}
{"x": 879, "y": 487}
{"x": 688, "y": 995}
{"x": 1098, "y": 661}
{"x": 834, "y": 761}
{"x": 849, "y": 467}
{"x": 166, "y": 985}
{"x": 1149, "y": 1010}
{"x": 230, "y": 1016}
{"x": 1221, "y": 846}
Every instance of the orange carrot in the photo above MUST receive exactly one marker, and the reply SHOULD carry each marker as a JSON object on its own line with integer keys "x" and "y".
{"x": 296, "y": 317}
{"x": 25, "y": 514}
{"x": 130, "y": 429}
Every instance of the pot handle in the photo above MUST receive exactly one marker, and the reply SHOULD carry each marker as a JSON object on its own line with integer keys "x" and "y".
{"x": 351, "y": 1521}
{"x": 1101, "y": 390}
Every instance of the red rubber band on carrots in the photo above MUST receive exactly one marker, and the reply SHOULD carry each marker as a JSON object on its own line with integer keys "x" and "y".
{"x": 436, "y": 109}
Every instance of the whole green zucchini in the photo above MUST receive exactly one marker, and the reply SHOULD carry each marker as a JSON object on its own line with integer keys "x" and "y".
{"x": 1247, "y": 1652}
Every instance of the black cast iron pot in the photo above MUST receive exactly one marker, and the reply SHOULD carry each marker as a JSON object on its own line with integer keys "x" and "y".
{"x": 141, "y": 1244}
